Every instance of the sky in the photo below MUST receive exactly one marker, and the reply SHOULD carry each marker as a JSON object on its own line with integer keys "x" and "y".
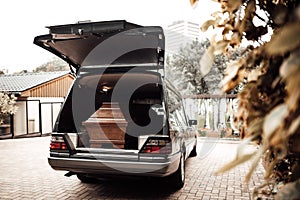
{"x": 21, "y": 21}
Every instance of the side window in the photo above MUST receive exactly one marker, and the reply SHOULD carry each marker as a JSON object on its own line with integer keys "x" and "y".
{"x": 180, "y": 117}
{"x": 173, "y": 102}
{"x": 183, "y": 115}
{"x": 172, "y": 120}
{"x": 175, "y": 109}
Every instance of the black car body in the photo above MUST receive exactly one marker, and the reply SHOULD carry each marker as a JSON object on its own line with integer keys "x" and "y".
{"x": 121, "y": 116}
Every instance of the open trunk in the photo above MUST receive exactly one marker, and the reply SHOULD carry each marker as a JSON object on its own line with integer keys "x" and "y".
{"x": 117, "y": 99}
{"x": 116, "y": 110}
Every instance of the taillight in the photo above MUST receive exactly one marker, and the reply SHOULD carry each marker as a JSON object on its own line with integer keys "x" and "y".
{"x": 157, "y": 145}
{"x": 58, "y": 143}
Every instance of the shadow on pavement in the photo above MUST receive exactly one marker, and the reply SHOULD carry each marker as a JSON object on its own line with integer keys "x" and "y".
{"x": 133, "y": 188}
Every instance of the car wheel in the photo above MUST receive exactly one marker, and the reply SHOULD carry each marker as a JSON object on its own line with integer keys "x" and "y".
{"x": 194, "y": 152}
{"x": 85, "y": 178}
{"x": 178, "y": 178}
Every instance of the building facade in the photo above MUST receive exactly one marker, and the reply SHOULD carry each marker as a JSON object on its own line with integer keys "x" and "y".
{"x": 180, "y": 33}
{"x": 39, "y": 99}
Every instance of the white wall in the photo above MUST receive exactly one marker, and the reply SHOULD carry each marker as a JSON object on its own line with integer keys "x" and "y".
{"x": 48, "y": 115}
{"x": 20, "y": 119}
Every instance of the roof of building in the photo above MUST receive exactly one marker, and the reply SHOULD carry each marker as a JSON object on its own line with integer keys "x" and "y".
{"x": 25, "y": 81}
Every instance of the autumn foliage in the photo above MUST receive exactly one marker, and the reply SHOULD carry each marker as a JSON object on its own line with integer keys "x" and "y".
{"x": 269, "y": 104}
{"x": 7, "y": 106}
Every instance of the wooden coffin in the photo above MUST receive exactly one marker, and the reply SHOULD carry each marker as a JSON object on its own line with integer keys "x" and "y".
{"x": 106, "y": 127}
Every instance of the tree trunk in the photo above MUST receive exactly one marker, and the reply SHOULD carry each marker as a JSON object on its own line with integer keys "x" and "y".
{"x": 222, "y": 113}
{"x": 206, "y": 110}
{"x": 215, "y": 108}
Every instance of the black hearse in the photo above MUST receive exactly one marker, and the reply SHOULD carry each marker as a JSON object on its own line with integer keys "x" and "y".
{"x": 121, "y": 116}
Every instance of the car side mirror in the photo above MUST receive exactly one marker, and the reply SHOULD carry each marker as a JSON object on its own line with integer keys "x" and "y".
{"x": 160, "y": 111}
{"x": 192, "y": 122}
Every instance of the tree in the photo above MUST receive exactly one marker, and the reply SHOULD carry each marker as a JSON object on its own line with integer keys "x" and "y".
{"x": 212, "y": 80}
{"x": 7, "y": 107}
{"x": 182, "y": 70}
{"x": 269, "y": 104}
{"x": 55, "y": 64}
{"x": 184, "y": 67}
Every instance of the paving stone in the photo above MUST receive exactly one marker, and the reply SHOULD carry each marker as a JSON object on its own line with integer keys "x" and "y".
{"x": 26, "y": 174}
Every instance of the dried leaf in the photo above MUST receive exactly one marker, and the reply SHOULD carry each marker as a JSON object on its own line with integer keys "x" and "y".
{"x": 193, "y": 2}
{"x": 207, "y": 61}
{"x": 280, "y": 13}
{"x": 256, "y": 190}
{"x": 253, "y": 75}
{"x": 207, "y": 24}
{"x": 293, "y": 91}
{"x": 233, "y": 74}
{"x": 259, "y": 32}
{"x": 274, "y": 119}
{"x": 235, "y": 39}
{"x": 285, "y": 40}
{"x": 216, "y": 14}
{"x": 212, "y": 22}
{"x": 247, "y": 25}
{"x": 289, "y": 191}
{"x": 294, "y": 126}
{"x": 295, "y": 143}
{"x": 235, "y": 163}
{"x": 241, "y": 156}
{"x": 220, "y": 47}
{"x": 235, "y": 81}
{"x": 233, "y": 68}
{"x": 243, "y": 145}
{"x": 250, "y": 9}
{"x": 254, "y": 164}
{"x": 255, "y": 126}
{"x": 291, "y": 65}
{"x": 227, "y": 29}
{"x": 231, "y": 5}
{"x": 290, "y": 71}
{"x": 279, "y": 144}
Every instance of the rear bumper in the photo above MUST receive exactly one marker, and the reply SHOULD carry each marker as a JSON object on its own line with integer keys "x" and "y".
{"x": 153, "y": 168}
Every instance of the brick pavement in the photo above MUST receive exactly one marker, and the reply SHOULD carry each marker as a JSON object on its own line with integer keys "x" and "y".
{"x": 25, "y": 174}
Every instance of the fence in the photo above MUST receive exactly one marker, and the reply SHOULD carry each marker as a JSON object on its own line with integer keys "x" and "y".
{"x": 214, "y": 113}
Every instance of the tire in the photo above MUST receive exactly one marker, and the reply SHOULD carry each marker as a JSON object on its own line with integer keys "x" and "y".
{"x": 85, "y": 178}
{"x": 194, "y": 152}
{"x": 178, "y": 178}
